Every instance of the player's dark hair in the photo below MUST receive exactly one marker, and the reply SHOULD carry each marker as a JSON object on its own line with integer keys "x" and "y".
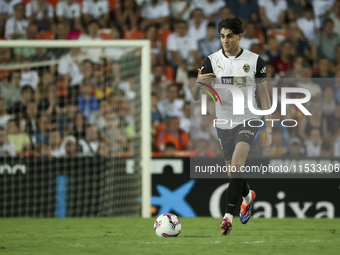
{"x": 211, "y": 25}
{"x": 236, "y": 25}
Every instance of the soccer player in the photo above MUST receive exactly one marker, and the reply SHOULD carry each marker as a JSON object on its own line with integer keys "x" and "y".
{"x": 232, "y": 65}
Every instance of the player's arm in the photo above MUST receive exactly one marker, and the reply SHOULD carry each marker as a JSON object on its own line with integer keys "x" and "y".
{"x": 205, "y": 75}
{"x": 261, "y": 80}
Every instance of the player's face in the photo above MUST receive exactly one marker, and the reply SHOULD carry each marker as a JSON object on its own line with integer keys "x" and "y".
{"x": 230, "y": 41}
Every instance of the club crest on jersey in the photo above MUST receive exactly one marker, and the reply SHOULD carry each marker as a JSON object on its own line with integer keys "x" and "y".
{"x": 246, "y": 68}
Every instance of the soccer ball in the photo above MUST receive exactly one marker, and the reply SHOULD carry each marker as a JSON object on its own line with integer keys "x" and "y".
{"x": 167, "y": 225}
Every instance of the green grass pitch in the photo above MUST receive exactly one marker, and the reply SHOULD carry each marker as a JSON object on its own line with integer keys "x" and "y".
{"x": 136, "y": 236}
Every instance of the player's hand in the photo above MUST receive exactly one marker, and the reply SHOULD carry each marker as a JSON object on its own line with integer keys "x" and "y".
{"x": 205, "y": 78}
{"x": 268, "y": 140}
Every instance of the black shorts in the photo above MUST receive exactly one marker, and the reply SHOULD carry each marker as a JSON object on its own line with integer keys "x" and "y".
{"x": 230, "y": 137}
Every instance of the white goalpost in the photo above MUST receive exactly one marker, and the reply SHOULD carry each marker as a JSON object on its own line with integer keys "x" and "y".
{"x": 114, "y": 187}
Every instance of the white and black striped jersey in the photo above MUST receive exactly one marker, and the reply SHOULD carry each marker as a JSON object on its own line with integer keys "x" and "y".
{"x": 244, "y": 70}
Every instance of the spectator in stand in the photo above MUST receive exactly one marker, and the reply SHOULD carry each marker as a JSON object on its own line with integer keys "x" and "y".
{"x": 10, "y": 92}
{"x": 306, "y": 82}
{"x": 159, "y": 83}
{"x": 86, "y": 68}
{"x": 78, "y": 129}
{"x": 211, "y": 8}
{"x": 324, "y": 75}
{"x": 181, "y": 9}
{"x": 307, "y": 23}
{"x": 89, "y": 145}
{"x": 87, "y": 102}
{"x": 333, "y": 123}
{"x": 321, "y": 10}
{"x": 198, "y": 24}
{"x": 297, "y": 67}
{"x": 335, "y": 16}
{"x": 155, "y": 11}
{"x": 16, "y": 26}
{"x": 21, "y": 141}
{"x": 42, "y": 134}
{"x": 260, "y": 50}
{"x": 245, "y": 9}
{"x": 29, "y": 76}
{"x": 325, "y": 42}
{"x": 31, "y": 34}
{"x": 128, "y": 14}
{"x": 65, "y": 120}
{"x": 52, "y": 104}
{"x": 248, "y": 36}
{"x": 282, "y": 64}
{"x": 273, "y": 51}
{"x": 278, "y": 146}
{"x": 224, "y": 13}
{"x": 327, "y": 101}
{"x": 69, "y": 11}
{"x": 296, "y": 9}
{"x": 69, "y": 69}
{"x": 96, "y": 10}
{"x": 157, "y": 49}
{"x": 175, "y": 135}
{"x": 210, "y": 43}
{"x": 315, "y": 121}
{"x": 205, "y": 130}
{"x": 156, "y": 116}
{"x": 62, "y": 33}
{"x": 113, "y": 135}
{"x": 27, "y": 95}
{"x": 272, "y": 12}
{"x": 185, "y": 119}
{"x": 336, "y": 63}
{"x": 30, "y": 118}
{"x": 41, "y": 12}
{"x": 92, "y": 34}
{"x": 182, "y": 48}
{"x": 100, "y": 90}
{"x": 201, "y": 149}
{"x": 6, "y": 11}
{"x": 103, "y": 150}
{"x": 337, "y": 86}
{"x": 6, "y": 148}
{"x": 169, "y": 150}
{"x": 171, "y": 106}
{"x": 5, "y": 56}
{"x": 300, "y": 46}
{"x": 55, "y": 144}
{"x": 313, "y": 143}
{"x": 98, "y": 117}
{"x": 295, "y": 148}
{"x": 337, "y": 147}
{"x": 4, "y": 117}
{"x": 326, "y": 150}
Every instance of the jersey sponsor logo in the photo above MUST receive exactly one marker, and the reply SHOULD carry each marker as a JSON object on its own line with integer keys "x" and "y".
{"x": 234, "y": 80}
{"x": 263, "y": 70}
{"x": 246, "y": 68}
{"x": 246, "y": 132}
{"x": 220, "y": 67}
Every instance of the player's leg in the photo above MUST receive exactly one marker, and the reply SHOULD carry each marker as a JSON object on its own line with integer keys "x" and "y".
{"x": 237, "y": 186}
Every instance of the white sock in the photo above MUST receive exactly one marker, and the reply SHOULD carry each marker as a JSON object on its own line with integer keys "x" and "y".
{"x": 247, "y": 198}
{"x": 229, "y": 216}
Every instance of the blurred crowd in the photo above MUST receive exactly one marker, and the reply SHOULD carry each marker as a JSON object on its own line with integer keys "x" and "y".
{"x": 80, "y": 101}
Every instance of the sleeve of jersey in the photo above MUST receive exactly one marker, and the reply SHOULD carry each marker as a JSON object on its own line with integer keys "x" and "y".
{"x": 207, "y": 67}
{"x": 261, "y": 70}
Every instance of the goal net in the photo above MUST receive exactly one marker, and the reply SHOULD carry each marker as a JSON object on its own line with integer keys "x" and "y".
{"x": 74, "y": 128}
